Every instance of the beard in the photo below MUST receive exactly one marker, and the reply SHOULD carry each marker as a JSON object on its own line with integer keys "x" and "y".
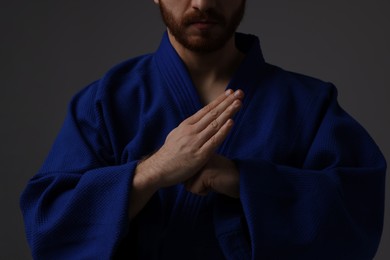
{"x": 202, "y": 41}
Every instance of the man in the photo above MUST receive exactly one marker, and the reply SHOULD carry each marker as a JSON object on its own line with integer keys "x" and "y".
{"x": 202, "y": 150}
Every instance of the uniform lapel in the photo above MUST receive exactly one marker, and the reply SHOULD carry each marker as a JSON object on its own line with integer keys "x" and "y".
{"x": 178, "y": 83}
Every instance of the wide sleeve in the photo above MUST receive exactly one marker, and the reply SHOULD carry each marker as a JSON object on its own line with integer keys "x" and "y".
{"x": 331, "y": 207}
{"x": 76, "y": 207}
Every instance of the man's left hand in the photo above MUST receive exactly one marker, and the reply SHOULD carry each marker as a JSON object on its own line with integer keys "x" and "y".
{"x": 220, "y": 175}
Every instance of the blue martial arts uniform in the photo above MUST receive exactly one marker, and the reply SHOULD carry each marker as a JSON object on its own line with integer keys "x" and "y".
{"x": 311, "y": 179}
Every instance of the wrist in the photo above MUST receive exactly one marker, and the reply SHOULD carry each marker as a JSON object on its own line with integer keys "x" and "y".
{"x": 146, "y": 176}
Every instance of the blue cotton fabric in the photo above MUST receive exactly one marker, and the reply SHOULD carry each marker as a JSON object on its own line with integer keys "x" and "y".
{"x": 311, "y": 178}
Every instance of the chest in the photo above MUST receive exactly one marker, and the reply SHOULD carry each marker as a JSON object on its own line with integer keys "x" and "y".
{"x": 207, "y": 92}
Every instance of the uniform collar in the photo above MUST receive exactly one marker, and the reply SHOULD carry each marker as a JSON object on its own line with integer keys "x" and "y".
{"x": 178, "y": 80}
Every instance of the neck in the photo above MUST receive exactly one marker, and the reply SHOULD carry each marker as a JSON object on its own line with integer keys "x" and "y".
{"x": 210, "y": 72}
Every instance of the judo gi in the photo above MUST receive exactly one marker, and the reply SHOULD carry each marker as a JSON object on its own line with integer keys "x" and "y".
{"x": 311, "y": 178}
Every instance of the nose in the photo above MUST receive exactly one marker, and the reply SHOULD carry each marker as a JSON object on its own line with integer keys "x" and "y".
{"x": 204, "y": 5}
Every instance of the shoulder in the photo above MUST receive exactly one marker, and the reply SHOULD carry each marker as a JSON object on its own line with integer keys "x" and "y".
{"x": 121, "y": 80}
{"x": 130, "y": 67}
{"x": 126, "y": 76}
{"x": 298, "y": 85}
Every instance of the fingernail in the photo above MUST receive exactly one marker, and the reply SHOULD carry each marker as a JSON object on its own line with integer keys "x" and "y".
{"x": 228, "y": 92}
{"x": 237, "y": 93}
{"x": 236, "y": 103}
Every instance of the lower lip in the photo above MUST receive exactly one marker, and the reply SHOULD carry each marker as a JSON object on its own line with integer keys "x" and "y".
{"x": 203, "y": 26}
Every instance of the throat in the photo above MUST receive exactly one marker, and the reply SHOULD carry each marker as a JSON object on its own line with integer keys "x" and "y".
{"x": 209, "y": 91}
{"x": 212, "y": 81}
{"x": 212, "y": 73}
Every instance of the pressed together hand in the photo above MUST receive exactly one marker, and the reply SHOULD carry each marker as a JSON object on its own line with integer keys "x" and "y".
{"x": 188, "y": 154}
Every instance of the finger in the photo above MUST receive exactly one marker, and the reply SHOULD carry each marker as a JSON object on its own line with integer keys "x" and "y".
{"x": 214, "y": 141}
{"x": 197, "y": 186}
{"x": 206, "y": 109}
{"x": 215, "y": 125}
{"x": 214, "y": 113}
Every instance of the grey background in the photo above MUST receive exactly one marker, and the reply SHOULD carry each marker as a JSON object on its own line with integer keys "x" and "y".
{"x": 51, "y": 49}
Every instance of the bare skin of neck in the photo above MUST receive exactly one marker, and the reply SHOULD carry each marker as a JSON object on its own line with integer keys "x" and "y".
{"x": 210, "y": 72}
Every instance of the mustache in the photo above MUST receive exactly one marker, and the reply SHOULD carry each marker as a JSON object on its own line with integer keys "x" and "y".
{"x": 209, "y": 15}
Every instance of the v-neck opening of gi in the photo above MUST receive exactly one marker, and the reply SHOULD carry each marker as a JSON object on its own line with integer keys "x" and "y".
{"x": 178, "y": 80}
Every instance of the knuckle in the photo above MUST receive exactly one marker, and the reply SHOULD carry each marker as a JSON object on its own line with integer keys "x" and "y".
{"x": 208, "y": 108}
{"x": 189, "y": 130}
{"x": 214, "y": 113}
{"x": 185, "y": 122}
{"x": 214, "y": 124}
{"x": 193, "y": 150}
{"x": 196, "y": 129}
{"x": 209, "y": 183}
{"x": 214, "y": 140}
